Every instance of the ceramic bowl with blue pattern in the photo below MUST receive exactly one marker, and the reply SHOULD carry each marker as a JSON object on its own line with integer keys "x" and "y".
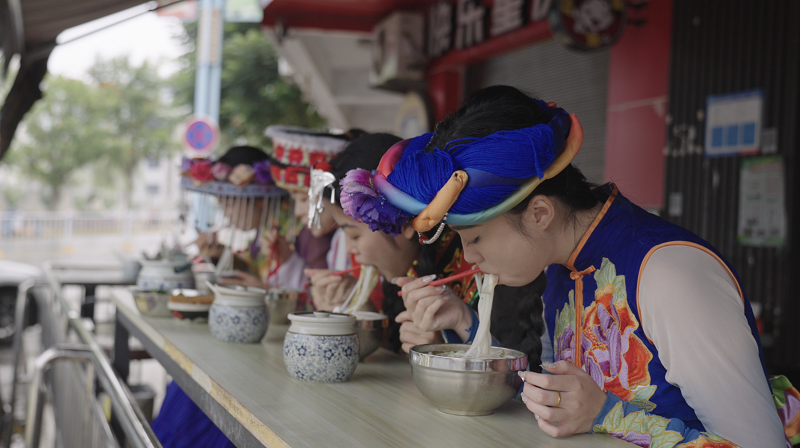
{"x": 321, "y": 347}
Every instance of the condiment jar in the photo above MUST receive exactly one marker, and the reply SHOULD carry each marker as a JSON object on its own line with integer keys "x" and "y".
{"x": 321, "y": 347}
{"x": 238, "y": 314}
{"x": 164, "y": 275}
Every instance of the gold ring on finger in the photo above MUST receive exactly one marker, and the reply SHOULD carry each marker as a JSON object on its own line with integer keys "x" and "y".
{"x": 559, "y": 399}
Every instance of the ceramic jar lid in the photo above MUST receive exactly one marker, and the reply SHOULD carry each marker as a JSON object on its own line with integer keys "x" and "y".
{"x": 371, "y": 319}
{"x": 322, "y": 324}
{"x": 239, "y": 296}
{"x": 369, "y": 315}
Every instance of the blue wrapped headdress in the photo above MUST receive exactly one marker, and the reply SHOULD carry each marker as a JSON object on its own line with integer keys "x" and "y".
{"x": 470, "y": 180}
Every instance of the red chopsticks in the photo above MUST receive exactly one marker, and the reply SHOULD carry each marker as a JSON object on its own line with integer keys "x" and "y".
{"x": 449, "y": 279}
{"x": 346, "y": 271}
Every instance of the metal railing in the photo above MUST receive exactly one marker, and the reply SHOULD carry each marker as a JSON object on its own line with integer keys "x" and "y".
{"x": 21, "y": 226}
{"x": 74, "y": 428}
{"x": 65, "y": 375}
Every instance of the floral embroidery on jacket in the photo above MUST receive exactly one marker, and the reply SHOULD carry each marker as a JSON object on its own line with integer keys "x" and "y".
{"x": 611, "y": 353}
{"x": 652, "y": 431}
{"x": 638, "y": 428}
{"x": 708, "y": 441}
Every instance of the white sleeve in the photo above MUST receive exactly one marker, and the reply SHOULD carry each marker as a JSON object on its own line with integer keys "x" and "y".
{"x": 692, "y": 312}
{"x": 337, "y": 257}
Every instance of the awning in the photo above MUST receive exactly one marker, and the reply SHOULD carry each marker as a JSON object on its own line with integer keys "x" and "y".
{"x": 29, "y": 28}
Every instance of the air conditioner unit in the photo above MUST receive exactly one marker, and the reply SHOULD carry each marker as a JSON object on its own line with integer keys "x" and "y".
{"x": 398, "y": 52}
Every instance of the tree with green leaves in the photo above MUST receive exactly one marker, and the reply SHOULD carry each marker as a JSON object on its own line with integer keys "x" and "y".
{"x": 253, "y": 94}
{"x": 139, "y": 117}
{"x": 63, "y": 133}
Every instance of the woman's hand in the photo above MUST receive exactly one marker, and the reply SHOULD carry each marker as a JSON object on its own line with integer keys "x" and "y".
{"x": 241, "y": 279}
{"x": 271, "y": 238}
{"x": 329, "y": 291}
{"x": 410, "y": 335}
{"x": 581, "y": 399}
{"x": 434, "y": 308}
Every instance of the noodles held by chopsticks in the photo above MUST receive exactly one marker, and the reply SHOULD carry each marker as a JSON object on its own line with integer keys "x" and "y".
{"x": 482, "y": 344}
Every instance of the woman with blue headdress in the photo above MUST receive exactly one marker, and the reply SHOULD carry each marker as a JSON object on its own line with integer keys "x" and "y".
{"x": 653, "y": 339}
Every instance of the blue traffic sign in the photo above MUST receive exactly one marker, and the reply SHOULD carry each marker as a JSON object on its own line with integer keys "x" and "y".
{"x": 201, "y": 136}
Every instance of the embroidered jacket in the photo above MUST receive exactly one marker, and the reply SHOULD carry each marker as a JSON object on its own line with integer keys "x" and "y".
{"x": 592, "y": 315}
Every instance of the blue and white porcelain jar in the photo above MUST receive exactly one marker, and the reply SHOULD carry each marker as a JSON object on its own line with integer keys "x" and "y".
{"x": 164, "y": 275}
{"x": 238, "y": 315}
{"x": 321, "y": 347}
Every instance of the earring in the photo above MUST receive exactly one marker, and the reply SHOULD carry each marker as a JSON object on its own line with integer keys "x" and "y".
{"x": 436, "y": 236}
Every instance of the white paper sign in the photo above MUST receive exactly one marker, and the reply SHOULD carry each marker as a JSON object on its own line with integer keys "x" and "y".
{"x": 762, "y": 214}
{"x": 733, "y": 123}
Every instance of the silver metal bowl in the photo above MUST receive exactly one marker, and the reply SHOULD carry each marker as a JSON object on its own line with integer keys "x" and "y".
{"x": 466, "y": 386}
{"x": 281, "y": 303}
{"x": 152, "y": 303}
{"x": 370, "y": 328}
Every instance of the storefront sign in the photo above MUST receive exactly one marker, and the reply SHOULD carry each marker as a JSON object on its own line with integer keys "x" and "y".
{"x": 733, "y": 123}
{"x": 467, "y": 23}
{"x": 762, "y": 214}
{"x": 588, "y": 24}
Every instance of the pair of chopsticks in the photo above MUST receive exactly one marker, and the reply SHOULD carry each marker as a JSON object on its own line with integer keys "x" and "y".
{"x": 446, "y": 280}
{"x": 346, "y": 271}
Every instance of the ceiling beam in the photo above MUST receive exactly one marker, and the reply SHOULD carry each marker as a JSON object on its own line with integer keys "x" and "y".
{"x": 309, "y": 77}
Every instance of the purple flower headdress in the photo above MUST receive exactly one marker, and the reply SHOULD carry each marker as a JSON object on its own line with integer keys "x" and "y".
{"x": 263, "y": 174}
{"x": 362, "y": 202}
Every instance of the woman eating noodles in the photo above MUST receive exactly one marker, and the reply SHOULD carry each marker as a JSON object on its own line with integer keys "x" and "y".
{"x": 654, "y": 341}
{"x": 393, "y": 250}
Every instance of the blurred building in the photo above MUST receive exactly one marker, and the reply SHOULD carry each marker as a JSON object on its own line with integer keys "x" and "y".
{"x": 156, "y": 187}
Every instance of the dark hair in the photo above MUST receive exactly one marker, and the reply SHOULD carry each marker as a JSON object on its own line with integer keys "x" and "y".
{"x": 247, "y": 155}
{"x": 364, "y": 152}
{"x": 486, "y": 111}
{"x": 572, "y": 191}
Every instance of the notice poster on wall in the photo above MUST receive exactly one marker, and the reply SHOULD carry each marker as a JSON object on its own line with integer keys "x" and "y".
{"x": 762, "y": 215}
{"x": 733, "y": 123}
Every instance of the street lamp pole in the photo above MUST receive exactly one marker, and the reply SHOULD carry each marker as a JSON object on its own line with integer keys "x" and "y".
{"x": 207, "y": 84}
